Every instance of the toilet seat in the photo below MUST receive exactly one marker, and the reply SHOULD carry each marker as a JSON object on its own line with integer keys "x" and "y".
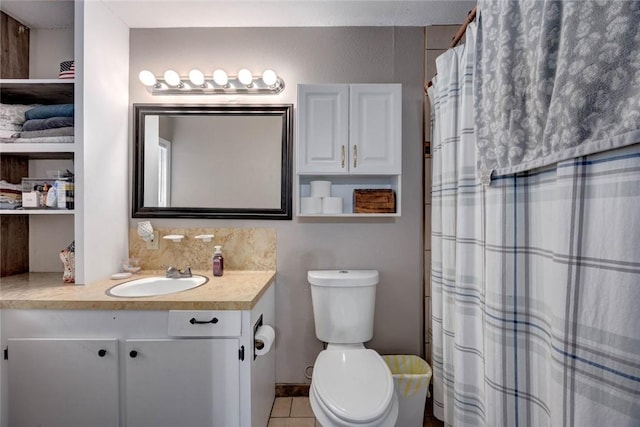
{"x": 354, "y": 387}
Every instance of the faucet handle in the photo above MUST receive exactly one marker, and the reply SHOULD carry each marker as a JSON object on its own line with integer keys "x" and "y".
{"x": 187, "y": 271}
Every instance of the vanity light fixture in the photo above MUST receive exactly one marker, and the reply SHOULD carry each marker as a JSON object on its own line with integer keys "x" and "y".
{"x": 218, "y": 83}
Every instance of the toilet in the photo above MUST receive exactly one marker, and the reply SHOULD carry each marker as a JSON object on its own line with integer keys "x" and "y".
{"x": 351, "y": 386}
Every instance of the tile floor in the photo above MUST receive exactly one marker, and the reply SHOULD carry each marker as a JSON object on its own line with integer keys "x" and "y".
{"x": 296, "y": 412}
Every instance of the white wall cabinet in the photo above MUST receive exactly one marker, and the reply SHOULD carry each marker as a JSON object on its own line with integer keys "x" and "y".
{"x": 351, "y": 135}
{"x": 350, "y": 129}
{"x": 63, "y": 382}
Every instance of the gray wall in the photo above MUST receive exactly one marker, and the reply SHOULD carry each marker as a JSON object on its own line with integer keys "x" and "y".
{"x": 392, "y": 246}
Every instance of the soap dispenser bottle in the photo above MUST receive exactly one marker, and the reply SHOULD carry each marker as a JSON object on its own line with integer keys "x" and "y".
{"x": 218, "y": 262}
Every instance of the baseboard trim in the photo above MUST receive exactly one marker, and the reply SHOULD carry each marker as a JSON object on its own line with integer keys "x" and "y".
{"x": 292, "y": 390}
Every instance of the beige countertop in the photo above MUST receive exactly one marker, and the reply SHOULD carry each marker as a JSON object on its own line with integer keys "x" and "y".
{"x": 236, "y": 290}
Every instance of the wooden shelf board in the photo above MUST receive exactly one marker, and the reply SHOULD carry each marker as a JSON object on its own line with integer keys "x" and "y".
{"x": 36, "y": 91}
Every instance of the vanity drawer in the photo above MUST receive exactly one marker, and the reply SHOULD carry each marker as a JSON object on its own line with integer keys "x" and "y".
{"x": 202, "y": 323}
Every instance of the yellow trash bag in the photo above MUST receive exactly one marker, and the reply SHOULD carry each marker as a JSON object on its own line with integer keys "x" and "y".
{"x": 411, "y": 377}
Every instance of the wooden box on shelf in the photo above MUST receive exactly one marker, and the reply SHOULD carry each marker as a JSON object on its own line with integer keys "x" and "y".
{"x": 374, "y": 201}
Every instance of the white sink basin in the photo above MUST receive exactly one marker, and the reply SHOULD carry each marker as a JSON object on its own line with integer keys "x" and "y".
{"x": 152, "y": 286}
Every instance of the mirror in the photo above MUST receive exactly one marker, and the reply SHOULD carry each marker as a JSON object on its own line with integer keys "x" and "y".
{"x": 212, "y": 161}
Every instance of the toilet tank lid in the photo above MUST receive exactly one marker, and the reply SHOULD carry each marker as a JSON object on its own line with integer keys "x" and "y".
{"x": 343, "y": 278}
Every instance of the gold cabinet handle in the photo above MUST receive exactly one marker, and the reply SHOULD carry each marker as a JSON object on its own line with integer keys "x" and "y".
{"x": 355, "y": 156}
{"x": 343, "y": 153}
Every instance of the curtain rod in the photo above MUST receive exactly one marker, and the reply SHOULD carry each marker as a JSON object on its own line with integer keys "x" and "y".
{"x": 471, "y": 16}
{"x": 463, "y": 28}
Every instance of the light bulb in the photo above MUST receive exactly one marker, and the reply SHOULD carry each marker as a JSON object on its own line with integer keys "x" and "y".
{"x": 196, "y": 77}
{"x": 245, "y": 77}
{"x": 220, "y": 77}
{"x": 147, "y": 78}
{"x": 269, "y": 77}
{"x": 172, "y": 78}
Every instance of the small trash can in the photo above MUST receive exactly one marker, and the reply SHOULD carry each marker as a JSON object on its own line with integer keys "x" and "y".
{"x": 411, "y": 376}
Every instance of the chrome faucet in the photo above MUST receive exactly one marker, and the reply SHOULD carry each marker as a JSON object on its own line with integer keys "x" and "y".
{"x": 174, "y": 273}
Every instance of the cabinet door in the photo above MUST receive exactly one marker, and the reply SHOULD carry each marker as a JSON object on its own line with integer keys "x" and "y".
{"x": 182, "y": 382}
{"x": 65, "y": 382}
{"x": 375, "y": 131}
{"x": 323, "y": 129}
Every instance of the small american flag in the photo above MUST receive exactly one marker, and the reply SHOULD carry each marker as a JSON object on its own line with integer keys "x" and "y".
{"x": 67, "y": 70}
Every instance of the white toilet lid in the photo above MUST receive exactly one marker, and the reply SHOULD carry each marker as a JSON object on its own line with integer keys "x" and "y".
{"x": 356, "y": 385}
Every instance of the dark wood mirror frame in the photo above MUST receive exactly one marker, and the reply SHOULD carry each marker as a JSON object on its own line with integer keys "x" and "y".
{"x": 284, "y": 212}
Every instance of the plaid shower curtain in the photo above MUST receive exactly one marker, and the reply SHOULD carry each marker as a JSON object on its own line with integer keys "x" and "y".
{"x": 535, "y": 282}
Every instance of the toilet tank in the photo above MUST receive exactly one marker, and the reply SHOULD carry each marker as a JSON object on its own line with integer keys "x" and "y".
{"x": 343, "y": 304}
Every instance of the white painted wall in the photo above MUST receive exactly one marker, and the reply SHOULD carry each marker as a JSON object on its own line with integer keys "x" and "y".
{"x": 101, "y": 113}
{"x": 393, "y": 246}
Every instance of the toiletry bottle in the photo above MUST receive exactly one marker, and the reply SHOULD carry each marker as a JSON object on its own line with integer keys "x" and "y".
{"x": 218, "y": 262}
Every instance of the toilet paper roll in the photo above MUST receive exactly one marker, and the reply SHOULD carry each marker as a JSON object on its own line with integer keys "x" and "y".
{"x": 311, "y": 205}
{"x": 267, "y": 336}
{"x": 332, "y": 205}
{"x": 320, "y": 188}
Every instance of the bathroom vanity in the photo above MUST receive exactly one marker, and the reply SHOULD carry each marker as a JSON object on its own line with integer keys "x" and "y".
{"x": 75, "y": 356}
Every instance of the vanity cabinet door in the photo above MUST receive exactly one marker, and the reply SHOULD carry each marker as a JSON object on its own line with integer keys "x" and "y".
{"x": 63, "y": 382}
{"x": 182, "y": 382}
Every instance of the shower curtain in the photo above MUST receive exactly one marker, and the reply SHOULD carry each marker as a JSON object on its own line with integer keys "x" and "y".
{"x": 535, "y": 281}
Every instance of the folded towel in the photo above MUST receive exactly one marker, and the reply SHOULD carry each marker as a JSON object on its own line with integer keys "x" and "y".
{"x": 47, "y": 111}
{"x": 10, "y": 197}
{"x": 44, "y": 139}
{"x": 5, "y": 124}
{"x": 6, "y": 185}
{"x": 14, "y": 113}
{"x": 50, "y": 123}
{"x": 66, "y": 131}
{"x": 5, "y": 133}
{"x": 10, "y": 206}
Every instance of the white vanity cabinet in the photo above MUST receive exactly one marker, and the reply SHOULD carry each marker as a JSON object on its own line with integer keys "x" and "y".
{"x": 178, "y": 382}
{"x": 351, "y": 135}
{"x": 63, "y": 382}
{"x": 160, "y": 368}
{"x": 350, "y": 129}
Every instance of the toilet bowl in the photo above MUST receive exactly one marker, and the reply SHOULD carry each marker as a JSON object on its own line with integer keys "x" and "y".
{"x": 351, "y": 386}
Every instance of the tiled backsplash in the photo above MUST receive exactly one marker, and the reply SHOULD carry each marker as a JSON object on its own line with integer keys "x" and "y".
{"x": 242, "y": 248}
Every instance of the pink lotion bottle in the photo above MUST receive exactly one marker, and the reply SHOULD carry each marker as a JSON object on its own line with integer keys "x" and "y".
{"x": 218, "y": 262}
